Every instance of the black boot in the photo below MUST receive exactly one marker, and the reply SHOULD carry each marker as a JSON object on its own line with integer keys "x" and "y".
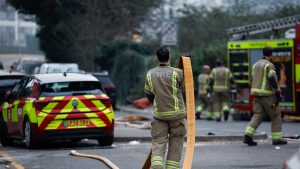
{"x": 226, "y": 115}
{"x": 279, "y": 142}
{"x": 249, "y": 140}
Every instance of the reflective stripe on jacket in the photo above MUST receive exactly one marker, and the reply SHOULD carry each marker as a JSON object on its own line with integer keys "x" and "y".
{"x": 202, "y": 83}
{"x": 221, "y": 77}
{"x": 262, "y": 70}
{"x": 166, "y": 83}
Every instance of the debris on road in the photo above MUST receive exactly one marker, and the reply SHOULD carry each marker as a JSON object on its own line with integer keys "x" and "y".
{"x": 292, "y": 137}
{"x": 134, "y": 142}
{"x": 133, "y": 118}
{"x": 135, "y": 121}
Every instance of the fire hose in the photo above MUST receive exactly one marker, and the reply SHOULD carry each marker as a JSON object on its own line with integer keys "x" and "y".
{"x": 101, "y": 158}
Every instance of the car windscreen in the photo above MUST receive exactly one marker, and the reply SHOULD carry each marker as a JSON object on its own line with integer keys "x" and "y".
{"x": 70, "y": 88}
{"x": 104, "y": 80}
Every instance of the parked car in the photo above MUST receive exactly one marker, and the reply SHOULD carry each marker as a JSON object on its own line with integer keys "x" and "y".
{"x": 57, "y": 106}
{"x": 27, "y": 65}
{"x": 107, "y": 85}
{"x": 57, "y": 68}
{"x": 8, "y": 80}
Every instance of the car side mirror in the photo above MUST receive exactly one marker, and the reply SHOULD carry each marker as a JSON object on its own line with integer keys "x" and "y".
{"x": 7, "y": 95}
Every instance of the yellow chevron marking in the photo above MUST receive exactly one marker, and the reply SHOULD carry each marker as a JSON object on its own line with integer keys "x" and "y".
{"x": 41, "y": 118}
{"x": 54, "y": 124}
{"x": 14, "y": 113}
{"x": 76, "y": 127}
{"x": 90, "y": 96}
{"x": 50, "y": 106}
{"x": 98, "y": 122}
{"x": 82, "y": 107}
{"x": 58, "y": 97}
{"x": 61, "y": 116}
{"x": 98, "y": 104}
{"x": 91, "y": 115}
{"x": 110, "y": 116}
{"x": 68, "y": 107}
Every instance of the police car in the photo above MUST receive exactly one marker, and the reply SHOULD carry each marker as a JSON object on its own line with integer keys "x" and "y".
{"x": 58, "y": 106}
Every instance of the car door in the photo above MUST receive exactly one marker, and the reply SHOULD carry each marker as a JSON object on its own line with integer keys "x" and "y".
{"x": 26, "y": 98}
{"x": 23, "y": 99}
{"x": 15, "y": 107}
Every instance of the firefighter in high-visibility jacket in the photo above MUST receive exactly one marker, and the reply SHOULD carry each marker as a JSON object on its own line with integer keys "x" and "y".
{"x": 205, "y": 104}
{"x": 221, "y": 80}
{"x": 266, "y": 92}
{"x": 163, "y": 87}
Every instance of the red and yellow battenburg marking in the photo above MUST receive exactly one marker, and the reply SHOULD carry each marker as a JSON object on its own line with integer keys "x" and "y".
{"x": 54, "y": 113}
{"x": 58, "y": 113}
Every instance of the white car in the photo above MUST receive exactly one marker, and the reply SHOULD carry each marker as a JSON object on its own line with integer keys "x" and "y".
{"x": 58, "y": 68}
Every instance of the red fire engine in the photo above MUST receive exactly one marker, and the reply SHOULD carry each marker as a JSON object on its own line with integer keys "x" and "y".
{"x": 243, "y": 53}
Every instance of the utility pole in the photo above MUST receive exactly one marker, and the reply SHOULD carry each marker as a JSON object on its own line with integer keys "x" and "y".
{"x": 16, "y": 27}
{"x": 162, "y": 12}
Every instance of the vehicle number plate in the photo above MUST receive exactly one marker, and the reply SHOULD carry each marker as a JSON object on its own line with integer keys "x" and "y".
{"x": 76, "y": 122}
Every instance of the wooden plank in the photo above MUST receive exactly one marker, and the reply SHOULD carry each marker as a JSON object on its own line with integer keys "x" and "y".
{"x": 147, "y": 163}
{"x": 190, "y": 109}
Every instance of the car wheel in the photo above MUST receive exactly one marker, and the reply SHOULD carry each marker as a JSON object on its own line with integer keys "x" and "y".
{"x": 5, "y": 141}
{"x": 106, "y": 141}
{"x": 28, "y": 135}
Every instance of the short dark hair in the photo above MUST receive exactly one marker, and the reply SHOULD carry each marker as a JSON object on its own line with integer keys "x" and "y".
{"x": 162, "y": 54}
{"x": 267, "y": 51}
{"x": 219, "y": 62}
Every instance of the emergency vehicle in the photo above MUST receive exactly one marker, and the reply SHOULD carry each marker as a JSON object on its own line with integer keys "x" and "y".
{"x": 242, "y": 53}
{"x": 58, "y": 106}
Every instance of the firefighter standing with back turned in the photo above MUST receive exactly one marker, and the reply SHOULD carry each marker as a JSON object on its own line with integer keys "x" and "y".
{"x": 205, "y": 104}
{"x": 266, "y": 94}
{"x": 163, "y": 87}
{"x": 221, "y": 79}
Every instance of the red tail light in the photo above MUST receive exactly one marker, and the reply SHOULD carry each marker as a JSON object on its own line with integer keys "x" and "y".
{"x": 106, "y": 102}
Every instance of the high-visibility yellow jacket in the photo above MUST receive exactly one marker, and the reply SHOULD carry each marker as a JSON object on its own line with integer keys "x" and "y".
{"x": 262, "y": 70}
{"x": 166, "y": 83}
{"x": 221, "y": 77}
{"x": 203, "y": 83}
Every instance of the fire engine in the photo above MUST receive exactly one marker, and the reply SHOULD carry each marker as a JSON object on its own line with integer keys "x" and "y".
{"x": 242, "y": 53}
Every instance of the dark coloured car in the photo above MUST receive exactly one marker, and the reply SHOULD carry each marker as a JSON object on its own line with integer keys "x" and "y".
{"x": 108, "y": 86}
{"x": 57, "y": 106}
{"x": 8, "y": 82}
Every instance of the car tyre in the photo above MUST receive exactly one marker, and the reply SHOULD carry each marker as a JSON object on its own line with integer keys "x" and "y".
{"x": 5, "y": 141}
{"x": 28, "y": 135}
{"x": 106, "y": 141}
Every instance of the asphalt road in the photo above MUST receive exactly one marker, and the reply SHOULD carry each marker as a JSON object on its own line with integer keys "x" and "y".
{"x": 131, "y": 155}
{"x": 216, "y": 155}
